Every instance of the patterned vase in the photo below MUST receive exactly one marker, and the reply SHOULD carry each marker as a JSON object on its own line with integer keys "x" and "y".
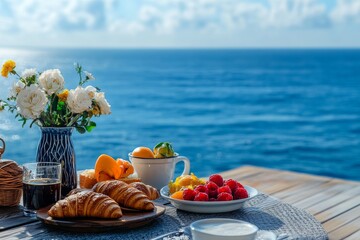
{"x": 56, "y": 146}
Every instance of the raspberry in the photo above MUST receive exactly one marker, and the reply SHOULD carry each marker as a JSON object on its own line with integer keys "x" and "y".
{"x": 213, "y": 194}
{"x": 239, "y": 185}
{"x": 232, "y": 184}
{"x": 224, "y": 189}
{"x": 240, "y": 193}
{"x": 224, "y": 196}
{"x": 189, "y": 194}
{"x": 211, "y": 186}
{"x": 212, "y": 189}
{"x": 201, "y": 196}
{"x": 216, "y": 178}
{"x": 201, "y": 188}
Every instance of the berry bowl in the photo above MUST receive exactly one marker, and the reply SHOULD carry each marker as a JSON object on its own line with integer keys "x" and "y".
{"x": 208, "y": 206}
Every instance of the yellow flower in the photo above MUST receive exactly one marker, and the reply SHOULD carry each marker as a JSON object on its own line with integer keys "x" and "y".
{"x": 63, "y": 95}
{"x": 7, "y": 67}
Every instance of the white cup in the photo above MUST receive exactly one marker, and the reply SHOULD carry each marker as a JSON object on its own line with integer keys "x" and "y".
{"x": 223, "y": 228}
{"x": 158, "y": 172}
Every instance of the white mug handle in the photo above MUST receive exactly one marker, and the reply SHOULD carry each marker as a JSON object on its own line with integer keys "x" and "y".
{"x": 186, "y": 164}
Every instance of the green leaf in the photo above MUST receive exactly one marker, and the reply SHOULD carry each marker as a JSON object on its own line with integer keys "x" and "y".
{"x": 93, "y": 124}
{"x": 81, "y": 130}
{"x": 60, "y": 106}
{"x": 83, "y": 121}
{"x": 23, "y": 122}
{"x": 55, "y": 102}
{"x": 90, "y": 128}
{"x": 33, "y": 121}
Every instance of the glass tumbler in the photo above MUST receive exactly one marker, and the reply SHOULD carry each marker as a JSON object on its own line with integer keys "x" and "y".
{"x": 41, "y": 186}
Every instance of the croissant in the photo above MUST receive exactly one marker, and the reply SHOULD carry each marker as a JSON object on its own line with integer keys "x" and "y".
{"x": 124, "y": 194}
{"x": 77, "y": 190}
{"x": 86, "y": 204}
{"x": 129, "y": 180}
{"x": 149, "y": 191}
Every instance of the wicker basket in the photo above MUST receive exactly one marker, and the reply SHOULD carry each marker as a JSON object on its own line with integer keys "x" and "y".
{"x": 10, "y": 181}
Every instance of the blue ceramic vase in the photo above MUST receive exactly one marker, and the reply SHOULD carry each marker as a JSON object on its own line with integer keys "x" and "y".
{"x": 56, "y": 146}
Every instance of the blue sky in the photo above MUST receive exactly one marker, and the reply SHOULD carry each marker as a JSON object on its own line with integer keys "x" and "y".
{"x": 180, "y": 23}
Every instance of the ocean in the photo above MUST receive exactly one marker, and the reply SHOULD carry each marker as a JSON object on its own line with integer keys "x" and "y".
{"x": 297, "y": 110}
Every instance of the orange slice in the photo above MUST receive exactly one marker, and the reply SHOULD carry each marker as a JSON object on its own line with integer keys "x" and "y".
{"x": 107, "y": 165}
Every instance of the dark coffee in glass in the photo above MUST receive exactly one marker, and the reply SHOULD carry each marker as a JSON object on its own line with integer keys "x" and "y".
{"x": 39, "y": 193}
{"x": 41, "y": 186}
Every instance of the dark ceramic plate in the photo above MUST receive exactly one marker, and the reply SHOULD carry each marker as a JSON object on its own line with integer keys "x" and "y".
{"x": 131, "y": 219}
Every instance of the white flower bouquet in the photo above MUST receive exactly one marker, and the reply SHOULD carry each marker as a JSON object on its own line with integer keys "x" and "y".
{"x": 43, "y": 99}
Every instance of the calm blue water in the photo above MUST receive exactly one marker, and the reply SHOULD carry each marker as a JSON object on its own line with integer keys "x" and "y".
{"x": 287, "y": 109}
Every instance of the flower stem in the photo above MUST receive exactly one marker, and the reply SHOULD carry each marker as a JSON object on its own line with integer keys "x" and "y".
{"x": 73, "y": 120}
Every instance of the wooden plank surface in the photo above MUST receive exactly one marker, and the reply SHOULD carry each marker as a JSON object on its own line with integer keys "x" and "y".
{"x": 334, "y": 202}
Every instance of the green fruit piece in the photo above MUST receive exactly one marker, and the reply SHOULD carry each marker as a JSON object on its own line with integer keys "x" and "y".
{"x": 163, "y": 150}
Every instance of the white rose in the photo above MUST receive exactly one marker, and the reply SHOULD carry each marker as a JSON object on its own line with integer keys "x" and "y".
{"x": 16, "y": 88}
{"x": 27, "y": 73}
{"x": 91, "y": 91}
{"x": 31, "y": 101}
{"x": 79, "y": 100}
{"x": 102, "y": 103}
{"x": 51, "y": 81}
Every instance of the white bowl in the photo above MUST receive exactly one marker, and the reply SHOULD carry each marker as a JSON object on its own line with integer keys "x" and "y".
{"x": 208, "y": 207}
{"x": 223, "y": 228}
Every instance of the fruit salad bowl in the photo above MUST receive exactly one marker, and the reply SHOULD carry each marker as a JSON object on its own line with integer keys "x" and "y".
{"x": 208, "y": 206}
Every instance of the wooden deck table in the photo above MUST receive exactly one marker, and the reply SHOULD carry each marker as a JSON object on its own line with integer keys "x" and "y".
{"x": 333, "y": 202}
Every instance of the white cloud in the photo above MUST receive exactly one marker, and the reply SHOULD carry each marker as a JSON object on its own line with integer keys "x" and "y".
{"x": 346, "y": 11}
{"x": 227, "y": 15}
{"x": 97, "y": 21}
{"x": 296, "y": 13}
{"x": 46, "y": 16}
{"x": 244, "y": 14}
{"x": 164, "y": 16}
